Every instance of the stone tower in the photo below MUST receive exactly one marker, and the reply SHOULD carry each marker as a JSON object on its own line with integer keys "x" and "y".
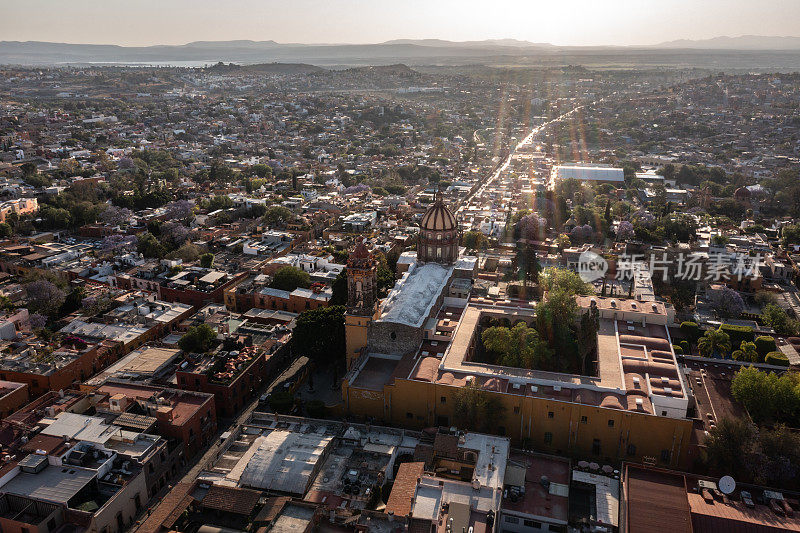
{"x": 362, "y": 299}
{"x": 362, "y": 282}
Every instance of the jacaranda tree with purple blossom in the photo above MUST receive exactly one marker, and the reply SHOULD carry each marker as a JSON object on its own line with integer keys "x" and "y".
{"x": 37, "y": 321}
{"x": 44, "y": 297}
{"x": 727, "y": 302}
{"x": 625, "y": 231}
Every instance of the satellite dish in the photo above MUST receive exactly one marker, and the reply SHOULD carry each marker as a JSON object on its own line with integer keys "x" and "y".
{"x": 727, "y": 484}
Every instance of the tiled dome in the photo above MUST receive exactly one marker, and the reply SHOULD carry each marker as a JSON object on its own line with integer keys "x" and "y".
{"x": 438, "y": 218}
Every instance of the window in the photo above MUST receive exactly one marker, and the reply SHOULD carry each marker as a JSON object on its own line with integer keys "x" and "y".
{"x": 584, "y": 420}
{"x": 631, "y": 449}
{"x": 512, "y": 520}
{"x": 443, "y": 399}
{"x": 409, "y": 415}
{"x": 532, "y": 523}
{"x": 548, "y": 437}
{"x": 665, "y": 455}
{"x": 611, "y": 422}
{"x": 550, "y": 414}
{"x": 596, "y": 446}
{"x": 556, "y": 528}
{"x": 663, "y": 413}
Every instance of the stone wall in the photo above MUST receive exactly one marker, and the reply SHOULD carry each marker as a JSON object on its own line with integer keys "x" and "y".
{"x": 394, "y": 339}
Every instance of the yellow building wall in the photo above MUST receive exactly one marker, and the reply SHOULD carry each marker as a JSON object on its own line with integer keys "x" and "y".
{"x": 355, "y": 332}
{"x": 526, "y": 420}
{"x": 363, "y": 402}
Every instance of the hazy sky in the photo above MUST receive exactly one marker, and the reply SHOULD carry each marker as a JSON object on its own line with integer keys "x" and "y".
{"x": 563, "y": 22}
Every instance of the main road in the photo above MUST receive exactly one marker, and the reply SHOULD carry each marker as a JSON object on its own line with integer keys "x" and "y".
{"x": 529, "y": 139}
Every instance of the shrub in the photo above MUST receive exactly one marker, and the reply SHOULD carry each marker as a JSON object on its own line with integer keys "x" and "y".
{"x": 764, "y": 345}
{"x": 684, "y": 344}
{"x": 316, "y": 409}
{"x": 738, "y": 334}
{"x": 691, "y": 331}
{"x": 198, "y": 339}
{"x": 678, "y": 350}
{"x": 281, "y": 402}
{"x": 776, "y": 358}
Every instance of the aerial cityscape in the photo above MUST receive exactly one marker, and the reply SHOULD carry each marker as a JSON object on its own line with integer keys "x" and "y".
{"x": 337, "y": 267}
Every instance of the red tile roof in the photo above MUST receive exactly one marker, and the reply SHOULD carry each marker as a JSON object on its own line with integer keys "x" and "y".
{"x": 231, "y": 500}
{"x": 404, "y": 489}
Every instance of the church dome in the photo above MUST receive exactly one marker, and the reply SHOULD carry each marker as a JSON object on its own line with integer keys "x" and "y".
{"x": 438, "y": 218}
{"x": 438, "y": 235}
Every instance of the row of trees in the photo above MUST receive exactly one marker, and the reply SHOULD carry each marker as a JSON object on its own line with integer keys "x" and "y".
{"x": 768, "y": 457}
{"x": 767, "y": 396}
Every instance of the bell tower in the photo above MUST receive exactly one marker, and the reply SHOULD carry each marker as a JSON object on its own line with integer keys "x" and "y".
{"x": 362, "y": 299}
{"x": 362, "y": 277}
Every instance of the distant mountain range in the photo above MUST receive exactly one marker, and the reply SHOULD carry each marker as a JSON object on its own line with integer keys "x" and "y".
{"x": 744, "y": 42}
{"x": 400, "y": 50}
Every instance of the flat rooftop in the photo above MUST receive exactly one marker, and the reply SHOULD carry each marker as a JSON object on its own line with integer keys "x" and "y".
{"x": 293, "y": 518}
{"x": 53, "y": 484}
{"x": 283, "y": 461}
{"x": 143, "y": 362}
{"x": 375, "y": 373}
{"x": 551, "y": 502}
{"x": 184, "y": 404}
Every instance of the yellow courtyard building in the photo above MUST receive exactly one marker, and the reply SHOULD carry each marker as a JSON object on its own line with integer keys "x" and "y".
{"x": 409, "y": 355}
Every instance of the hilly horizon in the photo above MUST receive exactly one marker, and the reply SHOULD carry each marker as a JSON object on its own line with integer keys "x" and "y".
{"x": 414, "y": 51}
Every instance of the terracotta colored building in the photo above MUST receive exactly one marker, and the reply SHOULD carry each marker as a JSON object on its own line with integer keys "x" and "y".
{"x": 187, "y": 417}
{"x": 12, "y": 396}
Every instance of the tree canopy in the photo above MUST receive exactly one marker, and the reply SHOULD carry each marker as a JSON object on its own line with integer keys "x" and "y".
{"x": 520, "y": 346}
{"x": 319, "y": 334}
{"x": 198, "y": 339}
{"x": 767, "y": 396}
{"x": 289, "y": 278}
{"x": 477, "y": 410}
{"x": 714, "y": 343}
